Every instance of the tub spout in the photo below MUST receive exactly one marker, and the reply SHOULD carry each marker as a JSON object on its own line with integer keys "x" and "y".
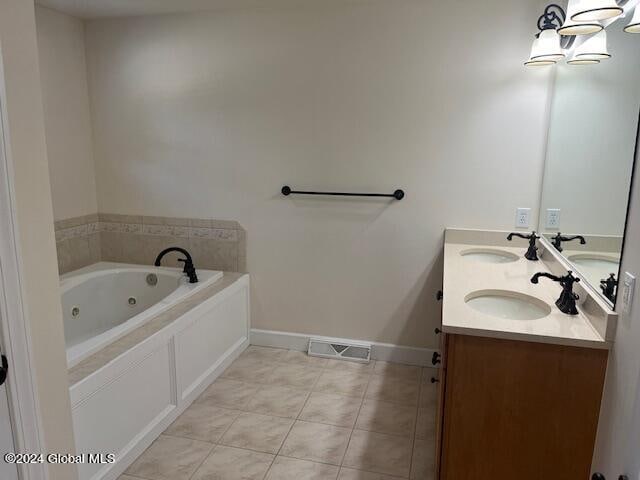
{"x": 188, "y": 269}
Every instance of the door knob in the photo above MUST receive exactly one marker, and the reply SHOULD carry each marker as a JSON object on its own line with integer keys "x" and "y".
{"x": 598, "y": 476}
{"x": 439, "y": 295}
{"x": 4, "y": 369}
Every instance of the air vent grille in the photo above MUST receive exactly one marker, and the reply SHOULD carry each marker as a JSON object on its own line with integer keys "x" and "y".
{"x": 339, "y": 350}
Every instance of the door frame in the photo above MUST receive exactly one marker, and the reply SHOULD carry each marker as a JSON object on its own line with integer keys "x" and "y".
{"x": 14, "y": 325}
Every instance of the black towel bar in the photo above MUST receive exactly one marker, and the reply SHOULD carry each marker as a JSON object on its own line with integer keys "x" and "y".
{"x": 398, "y": 194}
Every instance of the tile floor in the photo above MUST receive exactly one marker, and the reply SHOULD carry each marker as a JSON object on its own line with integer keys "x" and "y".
{"x": 282, "y": 415}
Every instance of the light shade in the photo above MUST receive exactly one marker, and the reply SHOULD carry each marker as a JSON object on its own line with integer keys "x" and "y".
{"x": 571, "y": 27}
{"x": 546, "y": 47}
{"x": 590, "y": 10}
{"x": 582, "y": 61}
{"x": 539, "y": 63}
{"x": 634, "y": 25}
{"x": 593, "y": 48}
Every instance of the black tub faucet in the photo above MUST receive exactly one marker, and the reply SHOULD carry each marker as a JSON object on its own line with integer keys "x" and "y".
{"x": 567, "y": 301}
{"x": 532, "y": 251}
{"x": 188, "y": 269}
{"x": 559, "y": 238}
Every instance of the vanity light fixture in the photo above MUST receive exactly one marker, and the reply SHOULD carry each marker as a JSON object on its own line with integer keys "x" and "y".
{"x": 590, "y": 10}
{"x": 571, "y": 27}
{"x": 634, "y": 25}
{"x": 548, "y": 45}
{"x": 593, "y": 48}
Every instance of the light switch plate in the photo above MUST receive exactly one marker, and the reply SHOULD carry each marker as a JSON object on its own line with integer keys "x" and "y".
{"x": 628, "y": 290}
{"x": 553, "y": 218}
{"x": 522, "y": 217}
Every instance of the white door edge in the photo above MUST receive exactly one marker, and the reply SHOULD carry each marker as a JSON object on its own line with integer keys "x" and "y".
{"x": 21, "y": 382}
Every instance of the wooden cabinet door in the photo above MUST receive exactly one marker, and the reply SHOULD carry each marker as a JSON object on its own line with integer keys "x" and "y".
{"x": 519, "y": 410}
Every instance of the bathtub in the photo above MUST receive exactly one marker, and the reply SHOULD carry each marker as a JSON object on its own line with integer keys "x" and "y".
{"x": 105, "y": 301}
{"x": 122, "y": 405}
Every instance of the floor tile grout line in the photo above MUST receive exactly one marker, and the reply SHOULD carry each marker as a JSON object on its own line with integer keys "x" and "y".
{"x": 293, "y": 424}
{"x": 218, "y": 442}
{"x": 344, "y": 455}
{"x": 415, "y": 426}
{"x": 203, "y": 460}
{"x": 182, "y": 437}
{"x": 291, "y": 427}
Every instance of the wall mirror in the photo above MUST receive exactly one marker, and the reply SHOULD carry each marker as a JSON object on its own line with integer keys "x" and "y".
{"x": 591, "y": 147}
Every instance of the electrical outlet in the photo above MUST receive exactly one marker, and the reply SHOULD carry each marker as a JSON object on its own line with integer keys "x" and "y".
{"x": 553, "y": 218}
{"x": 628, "y": 288}
{"x": 522, "y": 217}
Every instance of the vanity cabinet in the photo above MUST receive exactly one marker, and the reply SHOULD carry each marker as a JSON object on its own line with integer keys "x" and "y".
{"x": 516, "y": 410}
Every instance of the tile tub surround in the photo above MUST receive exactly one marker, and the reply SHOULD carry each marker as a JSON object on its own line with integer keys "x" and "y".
{"x": 214, "y": 244}
{"x": 263, "y": 419}
{"x": 77, "y": 242}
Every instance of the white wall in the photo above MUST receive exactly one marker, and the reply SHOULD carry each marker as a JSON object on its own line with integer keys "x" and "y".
{"x": 208, "y": 115}
{"x": 34, "y": 219}
{"x": 67, "y": 117}
{"x": 592, "y": 133}
{"x": 619, "y": 429}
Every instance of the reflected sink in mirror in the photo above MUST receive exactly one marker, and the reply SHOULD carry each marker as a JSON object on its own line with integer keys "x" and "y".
{"x": 489, "y": 255}
{"x": 595, "y": 267}
{"x": 600, "y": 263}
{"x": 508, "y": 305}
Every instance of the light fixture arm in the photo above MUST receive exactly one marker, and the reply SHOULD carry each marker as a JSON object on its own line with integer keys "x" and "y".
{"x": 554, "y": 17}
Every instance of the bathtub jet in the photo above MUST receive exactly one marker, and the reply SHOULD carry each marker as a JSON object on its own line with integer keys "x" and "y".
{"x": 189, "y": 269}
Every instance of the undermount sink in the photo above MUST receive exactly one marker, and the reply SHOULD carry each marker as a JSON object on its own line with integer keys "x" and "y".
{"x": 489, "y": 255}
{"x": 508, "y": 305}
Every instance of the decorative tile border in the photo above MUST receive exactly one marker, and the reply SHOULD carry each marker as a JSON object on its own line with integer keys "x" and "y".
{"x": 221, "y": 230}
{"x": 220, "y": 243}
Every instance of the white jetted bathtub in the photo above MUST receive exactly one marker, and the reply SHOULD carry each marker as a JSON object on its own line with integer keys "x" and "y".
{"x": 120, "y": 406}
{"x": 105, "y": 301}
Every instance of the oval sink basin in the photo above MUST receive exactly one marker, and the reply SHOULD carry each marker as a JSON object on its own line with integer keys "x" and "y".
{"x": 508, "y": 305}
{"x": 596, "y": 262}
{"x": 489, "y": 255}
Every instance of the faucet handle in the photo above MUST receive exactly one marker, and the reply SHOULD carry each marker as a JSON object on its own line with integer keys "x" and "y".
{"x": 532, "y": 251}
{"x": 186, "y": 263}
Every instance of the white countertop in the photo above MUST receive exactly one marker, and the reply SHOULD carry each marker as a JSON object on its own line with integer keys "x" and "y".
{"x": 463, "y": 276}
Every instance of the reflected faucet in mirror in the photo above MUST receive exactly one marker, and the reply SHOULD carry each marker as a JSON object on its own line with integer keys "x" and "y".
{"x": 559, "y": 238}
{"x": 532, "y": 251}
{"x": 609, "y": 287}
{"x": 189, "y": 270}
{"x": 567, "y": 301}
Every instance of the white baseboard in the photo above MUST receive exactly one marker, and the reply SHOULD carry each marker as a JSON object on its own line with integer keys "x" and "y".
{"x": 379, "y": 351}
